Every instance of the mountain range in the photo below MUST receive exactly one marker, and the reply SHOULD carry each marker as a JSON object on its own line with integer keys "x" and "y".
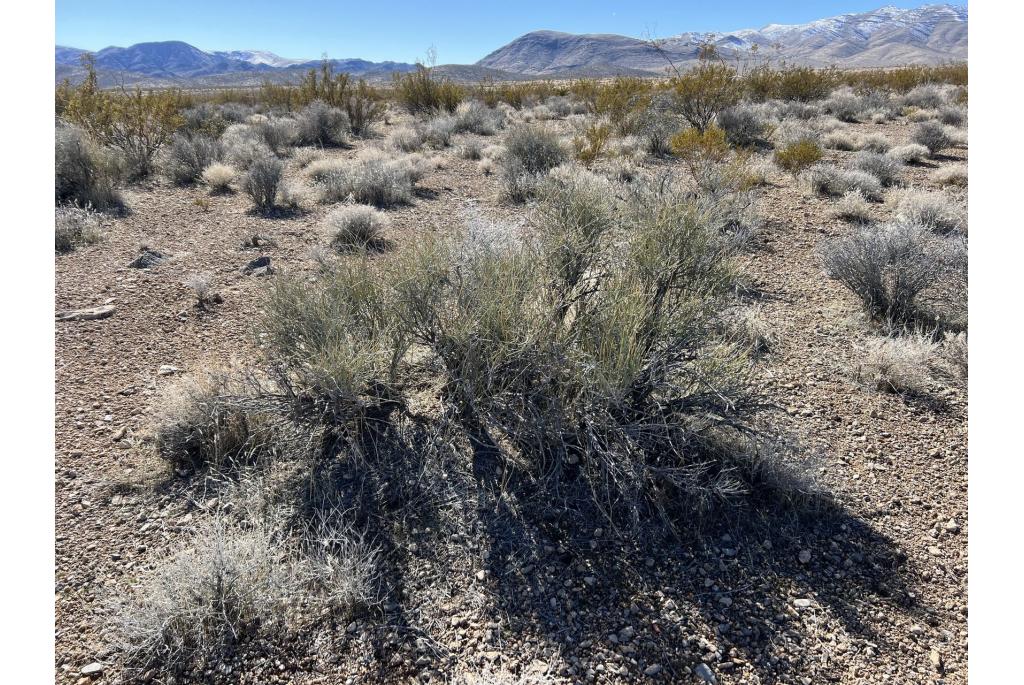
{"x": 887, "y": 36}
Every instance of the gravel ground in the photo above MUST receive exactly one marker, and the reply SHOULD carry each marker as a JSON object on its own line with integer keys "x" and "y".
{"x": 872, "y": 591}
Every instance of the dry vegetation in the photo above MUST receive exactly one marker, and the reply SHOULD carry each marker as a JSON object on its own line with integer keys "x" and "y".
{"x": 531, "y": 382}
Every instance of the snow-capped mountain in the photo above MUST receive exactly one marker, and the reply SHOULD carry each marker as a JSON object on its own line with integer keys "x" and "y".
{"x": 882, "y": 37}
{"x": 262, "y": 57}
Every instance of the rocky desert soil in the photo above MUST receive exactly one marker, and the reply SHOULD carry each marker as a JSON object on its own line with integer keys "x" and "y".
{"x": 873, "y": 591}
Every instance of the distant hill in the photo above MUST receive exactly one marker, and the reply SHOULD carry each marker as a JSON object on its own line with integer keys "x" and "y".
{"x": 884, "y": 37}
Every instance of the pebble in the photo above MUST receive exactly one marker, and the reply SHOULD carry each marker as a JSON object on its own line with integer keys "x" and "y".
{"x": 801, "y": 603}
{"x": 167, "y": 370}
{"x": 652, "y": 670}
{"x": 95, "y": 668}
{"x": 805, "y": 556}
{"x": 703, "y": 671}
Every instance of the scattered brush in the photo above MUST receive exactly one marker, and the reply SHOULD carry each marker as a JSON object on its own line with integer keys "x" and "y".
{"x": 953, "y": 175}
{"x": 830, "y": 181}
{"x": 897, "y": 364}
{"x": 853, "y": 206}
{"x": 219, "y": 177}
{"x": 883, "y": 167}
{"x": 263, "y": 180}
{"x": 75, "y": 226}
{"x": 932, "y": 135}
{"x": 912, "y": 153}
{"x": 933, "y": 209}
{"x": 356, "y": 227}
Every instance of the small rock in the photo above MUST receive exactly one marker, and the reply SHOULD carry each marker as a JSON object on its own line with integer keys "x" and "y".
{"x": 703, "y": 672}
{"x": 95, "y": 668}
{"x": 935, "y": 659}
{"x": 258, "y": 267}
{"x": 481, "y": 574}
{"x": 167, "y": 370}
{"x": 652, "y": 670}
{"x": 148, "y": 258}
{"x": 805, "y": 556}
{"x": 801, "y": 603}
{"x": 627, "y": 634}
{"x": 91, "y": 314}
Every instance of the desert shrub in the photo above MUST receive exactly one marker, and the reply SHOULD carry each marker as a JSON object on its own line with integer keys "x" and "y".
{"x": 883, "y": 167}
{"x": 486, "y": 166}
{"x": 536, "y": 148}
{"x": 886, "y": 266}
{"x": 952, "y": 116}
{"x": 302, "y": 157}
{"x": 205, "y": 119}
{"x": 437, "y": 132}
{"x": 828, "y": 180}
{"x": 744, "y": 126}
{"x": 471, "y": 150}
{"x": 374, "y": 179}
{"x": 188, "y": 156}
{"x": 365, "y": 106}
{"x": 789, "y": 132}
{"x": 701, "y": 151}
{"x": 279, "y": 134}
{"x": 933, "y": 209}
{"x": 84, "y": 173}
{"x": 356, "y": 227}
{"x": 322, "y": 125}
{"x": 875, "y": 142}
{"x": 932, "y": 135}
{"x": 897, "y": 364}
{"x": 589, "y": 143}
{"x": 406, "y": 139}
{"x": 262, "y": 181}
{"x": 797, "y": 156}
{"x": 473, "y": 116}
{"x": 212, "y": 420}
{"x": 953, "y": 175}
{"x": 925, "y": 96}
{"x": 704, "y": 91}
{"x": 953, "y": 353}
{"x": 841, "y": 140}
{"x": 136, "y": 123}
{"x": 242, "y": 145}
{"x": 912, "y": 153}
{"x": 844, "y": 105}
{"x": 74, "y": 226}
{"x": 234, "y": 582}
{"x": 853, "y": 206}
{"x": 656, "y": 124}
{"x": 219, "y": 176}
{"x": 591, "y": 350}
{"x": 339, "y": 343}
{"x": 420, "y": 93}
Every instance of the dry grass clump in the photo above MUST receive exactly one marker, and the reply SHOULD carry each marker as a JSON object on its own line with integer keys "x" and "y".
{"x": 375, "y": 178}
{"x": 933, "y": 209}
{"x": 845, "y": 105}
{"x": 883, "y": 167}
{"x": 234, "y": 582}
{"x": 356, "y": 227}
{"x": 953, "y": 175}
{"x": 897, "y": 364}
{"x": 406, "y": 139}
{"x": 841, "y": 140}
{"x": 875, "y": 142}
{"x": 219, "y": 177}
{"x": 853, "y": 206}
{"x": 747, "y": 328}
{"x": 75, "y": 226}
{"x": 85, "y": 174}
{"x": 912, "y": 153}
{"x": 302, "y": 157}
{"x": 887, "y": 266}
{"x": 262, "y": 181}
{"x": 828, "y": 180}
{"x": 932, "y": 135}
{"x": 926, "y": 96}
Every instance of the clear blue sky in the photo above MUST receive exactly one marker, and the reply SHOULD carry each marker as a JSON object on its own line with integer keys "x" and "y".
{"x": 462, "y": 32}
